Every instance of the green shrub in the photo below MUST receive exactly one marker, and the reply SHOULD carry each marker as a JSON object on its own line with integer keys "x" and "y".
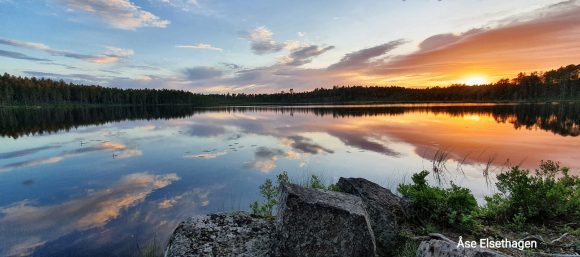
{"x": 455, "y": 206}
{"x": 315, "y": 183}
{"x": 549, "y": 194}
{"x": 270, "y": 193}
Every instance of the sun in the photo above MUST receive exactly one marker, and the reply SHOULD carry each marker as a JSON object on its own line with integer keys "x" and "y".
{"x": 475, "y": 80}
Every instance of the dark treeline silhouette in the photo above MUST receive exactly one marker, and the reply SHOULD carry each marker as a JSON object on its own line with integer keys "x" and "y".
{"x": 559, "y": 84}
{"x": 562, "y": 119}
{"x": 17, "y": 122}
{"x": 32, "y": 91}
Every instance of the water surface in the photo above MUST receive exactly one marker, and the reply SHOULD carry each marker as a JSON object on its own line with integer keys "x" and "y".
{"x": 101, "y": 181}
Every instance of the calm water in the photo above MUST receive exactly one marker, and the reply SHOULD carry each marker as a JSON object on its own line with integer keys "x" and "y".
{"x": 100, "y": 181}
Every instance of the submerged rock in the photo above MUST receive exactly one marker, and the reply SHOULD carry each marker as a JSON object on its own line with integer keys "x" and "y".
{"x": 448, "y": 248}
{"x": 238, "y": 234}
{"x": 388, "y": 212}
{"x": 313, "y": 223}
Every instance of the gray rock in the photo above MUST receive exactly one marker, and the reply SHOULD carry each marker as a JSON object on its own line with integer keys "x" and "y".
{"x": 314, "y": 223}
{"x": 388, "y": 212}
{"x": 238, "y": 234}
{"x": 447, "y": 248}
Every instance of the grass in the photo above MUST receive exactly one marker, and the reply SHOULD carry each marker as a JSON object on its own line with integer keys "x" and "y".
{"x": 152, "y": 248}
{"x": 408, "y": 249}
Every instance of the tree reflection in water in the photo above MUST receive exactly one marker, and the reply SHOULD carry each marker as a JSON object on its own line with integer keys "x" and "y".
{"x": 562, "y": 118}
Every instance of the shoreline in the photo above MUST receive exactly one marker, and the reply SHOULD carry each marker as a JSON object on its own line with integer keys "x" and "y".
{"x": 302, "y": 104}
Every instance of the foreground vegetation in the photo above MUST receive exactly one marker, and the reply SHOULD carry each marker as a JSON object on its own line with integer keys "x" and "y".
{"x": 544, "y": 203}
{"x": 270, "y": 192}
{"x": 559, "y": 84}
{"x": 547, "y": 195}
{"x": 537, "y": 205}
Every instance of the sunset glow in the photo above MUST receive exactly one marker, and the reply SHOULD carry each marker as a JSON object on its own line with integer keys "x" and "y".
{"x": 475, "y": 80}
{"x": 218, "y": 47}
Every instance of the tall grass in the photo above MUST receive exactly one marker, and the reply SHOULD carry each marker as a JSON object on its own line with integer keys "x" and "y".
{"x": 153, "y": 248}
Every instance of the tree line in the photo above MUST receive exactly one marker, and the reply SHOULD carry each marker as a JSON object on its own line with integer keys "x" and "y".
{"x": 559, "y": 84}
{"x": 562, "y": 119}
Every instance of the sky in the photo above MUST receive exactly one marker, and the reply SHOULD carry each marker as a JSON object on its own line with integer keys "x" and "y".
{"x": 265, "y": 46}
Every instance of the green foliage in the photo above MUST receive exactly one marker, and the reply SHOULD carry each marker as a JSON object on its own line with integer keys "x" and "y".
{"x": 455, "y": 206}
{"x": 549, "y": 194}
{"x": 519, "y": 221}
{"x": 282, "y": 179}
{"x": 333, "y": 187}
{"x": 270, "y": 193}
{"x": 408, "y": 249}
{"x": 315, "y": 183}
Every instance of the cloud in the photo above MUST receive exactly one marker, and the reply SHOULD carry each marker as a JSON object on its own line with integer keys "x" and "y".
{"x": 93, "y": 210}
{"x": 261, "y": 41}
{"x": 440, "y": 40}
{"x": 110, "y": 55}
{"x": 291, "y": 44}
{"x": 121, "y": 14}
{"x": 185, "y": 5}
{"x": 202, "y": 73}
{"x": 265, "y": 159}
{"x": 22, "y": 44}
{"x": 107, "y": 146}
{"x": 359, "y": 138}
{"x": 20, "y": 56}
{"x": 231, "y": 66}
{"x": 32, "y": 163}
{"x": 20, "y": 153}
{"x": 539, "y": 40}
{"x": 305, "y": 145}
{"x": 211, "y": 155}
{"x": 200, "y": 46}
{"x": 542, "y": 39}
{"x": 359, "y": 59}
{"x": 75, "y": 77}
{"x": 205, "y": 130}
{"x": 129, "y": 153}
{"x": 303, "y": 55}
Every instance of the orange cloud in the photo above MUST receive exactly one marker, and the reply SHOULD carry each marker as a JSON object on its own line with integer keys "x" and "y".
{"x": 544, "y": 39}
{"x": 94, "y": 210}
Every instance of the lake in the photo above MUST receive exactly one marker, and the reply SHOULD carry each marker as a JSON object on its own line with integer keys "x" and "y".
{"x": 105, "y": 181}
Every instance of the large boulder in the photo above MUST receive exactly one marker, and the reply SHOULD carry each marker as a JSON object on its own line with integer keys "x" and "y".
{"x": 238, "y": 234}
{"x": 388, "y": 212}
{"x": 448, "y": 248}
{"x": 313, "y": 223}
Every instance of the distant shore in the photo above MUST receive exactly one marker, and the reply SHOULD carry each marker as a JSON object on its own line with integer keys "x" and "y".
{"x": 352, "y": 103}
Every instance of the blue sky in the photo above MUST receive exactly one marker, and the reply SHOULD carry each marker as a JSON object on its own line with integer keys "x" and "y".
{"x": 269, "y": 46}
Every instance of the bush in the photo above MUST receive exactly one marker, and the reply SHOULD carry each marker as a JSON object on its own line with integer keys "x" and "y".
{"x": 270, "y": 193}
{"x": 549, "y": 194}
{"x": 455, "y": 207}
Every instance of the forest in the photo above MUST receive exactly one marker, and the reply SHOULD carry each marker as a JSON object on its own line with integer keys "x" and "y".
{"x": 562, "y": 119}
{"x": 559, "y": 84}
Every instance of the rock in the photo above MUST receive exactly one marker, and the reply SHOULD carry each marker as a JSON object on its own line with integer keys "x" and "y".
{"x": 388, "y": 212}
{"x": 238, "y": 234}
{"x": 444, "y": 248}
{"x": 314, "y": 223}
